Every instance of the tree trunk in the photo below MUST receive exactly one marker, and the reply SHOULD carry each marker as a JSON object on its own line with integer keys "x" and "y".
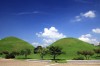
{"x": 25, "y": 55}
{"x": 42, "y": 57}
{"x": 54, "y": 57}
{"x": 86, "y": 57}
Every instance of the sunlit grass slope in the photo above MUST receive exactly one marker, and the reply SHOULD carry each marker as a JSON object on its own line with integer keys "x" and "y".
{"x": 71, "y": 46}
{"x": 14, "y": 44}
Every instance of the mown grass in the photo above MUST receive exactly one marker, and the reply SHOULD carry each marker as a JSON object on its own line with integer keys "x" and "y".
{"x": 14, "y": 44}
{"x": 69, "y": 46}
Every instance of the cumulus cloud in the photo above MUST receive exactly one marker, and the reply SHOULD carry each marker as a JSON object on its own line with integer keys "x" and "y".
{"x": 88, "y": 38}
{"x": 89, "y": 14}
{"x": 50, "y": 35}
{"x": 82, "y": 16}
{"x": 97, "y": 30}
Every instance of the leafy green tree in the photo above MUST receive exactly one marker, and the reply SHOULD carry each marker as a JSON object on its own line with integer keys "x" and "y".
{"x": 15, "y": 53}
{"x": 25, "y": 52}
{"x": 1, "y": 53}
{"x": 36, "y": 50}
{"x": 86, "y": 54}
{"x": 10, "y": 55}
{"x": 40, "y": 50}
{"x": 5, "y": 52}
{"x": 97, "y": 51}
{"x": 55, "y": 51}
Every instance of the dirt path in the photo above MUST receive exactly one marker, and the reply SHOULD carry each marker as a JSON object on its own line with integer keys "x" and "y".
{"x": 11, "y": 62}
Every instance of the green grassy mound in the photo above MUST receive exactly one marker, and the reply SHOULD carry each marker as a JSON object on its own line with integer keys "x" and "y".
{"x": 14, "y": 44}
{"x": 70, "y": 46}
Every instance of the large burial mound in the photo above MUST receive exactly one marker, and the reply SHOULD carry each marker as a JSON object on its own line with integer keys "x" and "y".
{"x": 71, "y": 46}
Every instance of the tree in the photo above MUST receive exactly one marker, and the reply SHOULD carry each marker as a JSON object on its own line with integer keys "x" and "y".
{"x": 86, "y": 54}
{"x": 55, "y": 51}
{"x": 10, "y": 55}
{"x": 97, "y": 51}
{"x": 5, "y": 52}
{"x": 15, "y": 53}
{"x": 40, "y": 50}
{"x": 25, "y": 52}
{"x": 36, "y": 50}
{"x": 0, "y": 53}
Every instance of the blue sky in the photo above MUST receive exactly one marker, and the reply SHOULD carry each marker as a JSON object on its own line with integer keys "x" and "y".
{"x": 41, "y": 22}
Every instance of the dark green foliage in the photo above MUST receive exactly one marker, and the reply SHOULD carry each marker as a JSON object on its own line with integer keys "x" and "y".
{"x": 5, "y": 52}
{"x": 1, "y": 53}
{"x": 86, "y": 54}
{"x": 9, "y": 56}
{"x": 37, "y": 49}
{"x": 40, "y": 50}
{"x": 25, "y": 52}
{"x": 97, "y": 51}
{"x": 78, "y": 58}
{"x": 55, "y": 51}
{"x": 15, "y": 53}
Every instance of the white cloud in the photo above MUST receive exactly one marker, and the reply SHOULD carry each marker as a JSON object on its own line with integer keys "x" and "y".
{"x": 26, "y": 13}
{"x": 89, "y": 14}
{"x": 97, "y": 30}
{"x": 50, "y": 35}
{"x": 35, "y": 44}
{"x": 88, "y": 38}
{"x": 78, "y": 18}
{"x": 82, "y": 16}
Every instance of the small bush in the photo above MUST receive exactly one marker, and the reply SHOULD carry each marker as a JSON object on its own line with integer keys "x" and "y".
{"x": 78, "y": 58}
{"x": 8, "y": 56}
{"x": 1, "y": 53}
{"x": 5, "y": 52}
{"x": 86, "y": 54}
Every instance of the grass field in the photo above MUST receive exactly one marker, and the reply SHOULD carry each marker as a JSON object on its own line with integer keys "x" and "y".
{"x": 69, "y": 45}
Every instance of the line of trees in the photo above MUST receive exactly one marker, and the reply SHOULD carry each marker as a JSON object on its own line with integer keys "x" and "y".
{"x": 87, "y": 54}
{"x": 54, "y": 51}
{"x": 13, "y": 54}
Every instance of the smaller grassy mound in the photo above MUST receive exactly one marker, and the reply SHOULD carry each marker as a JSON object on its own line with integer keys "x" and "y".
{"x": 14, "y": 44}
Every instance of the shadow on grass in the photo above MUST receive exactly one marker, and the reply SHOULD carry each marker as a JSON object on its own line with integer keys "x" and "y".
{"x": 97, "y": 57}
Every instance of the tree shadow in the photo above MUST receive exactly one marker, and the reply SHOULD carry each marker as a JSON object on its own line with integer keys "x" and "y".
{"x": 97, "y": 57}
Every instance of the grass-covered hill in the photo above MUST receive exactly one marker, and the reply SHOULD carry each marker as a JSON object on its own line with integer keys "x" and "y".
{"x": 14, "y": 44}
{"x": 71, "y": 46}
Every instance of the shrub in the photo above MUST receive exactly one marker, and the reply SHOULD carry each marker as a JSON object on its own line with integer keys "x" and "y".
{"x": 86, "y": 54}
{"x": 0, "y": 53}
{"x": 8, "y": 56}
{"x": 5, "y": 52}
{"x": 97, "y": 51}
{"x": 78, "y": 58}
